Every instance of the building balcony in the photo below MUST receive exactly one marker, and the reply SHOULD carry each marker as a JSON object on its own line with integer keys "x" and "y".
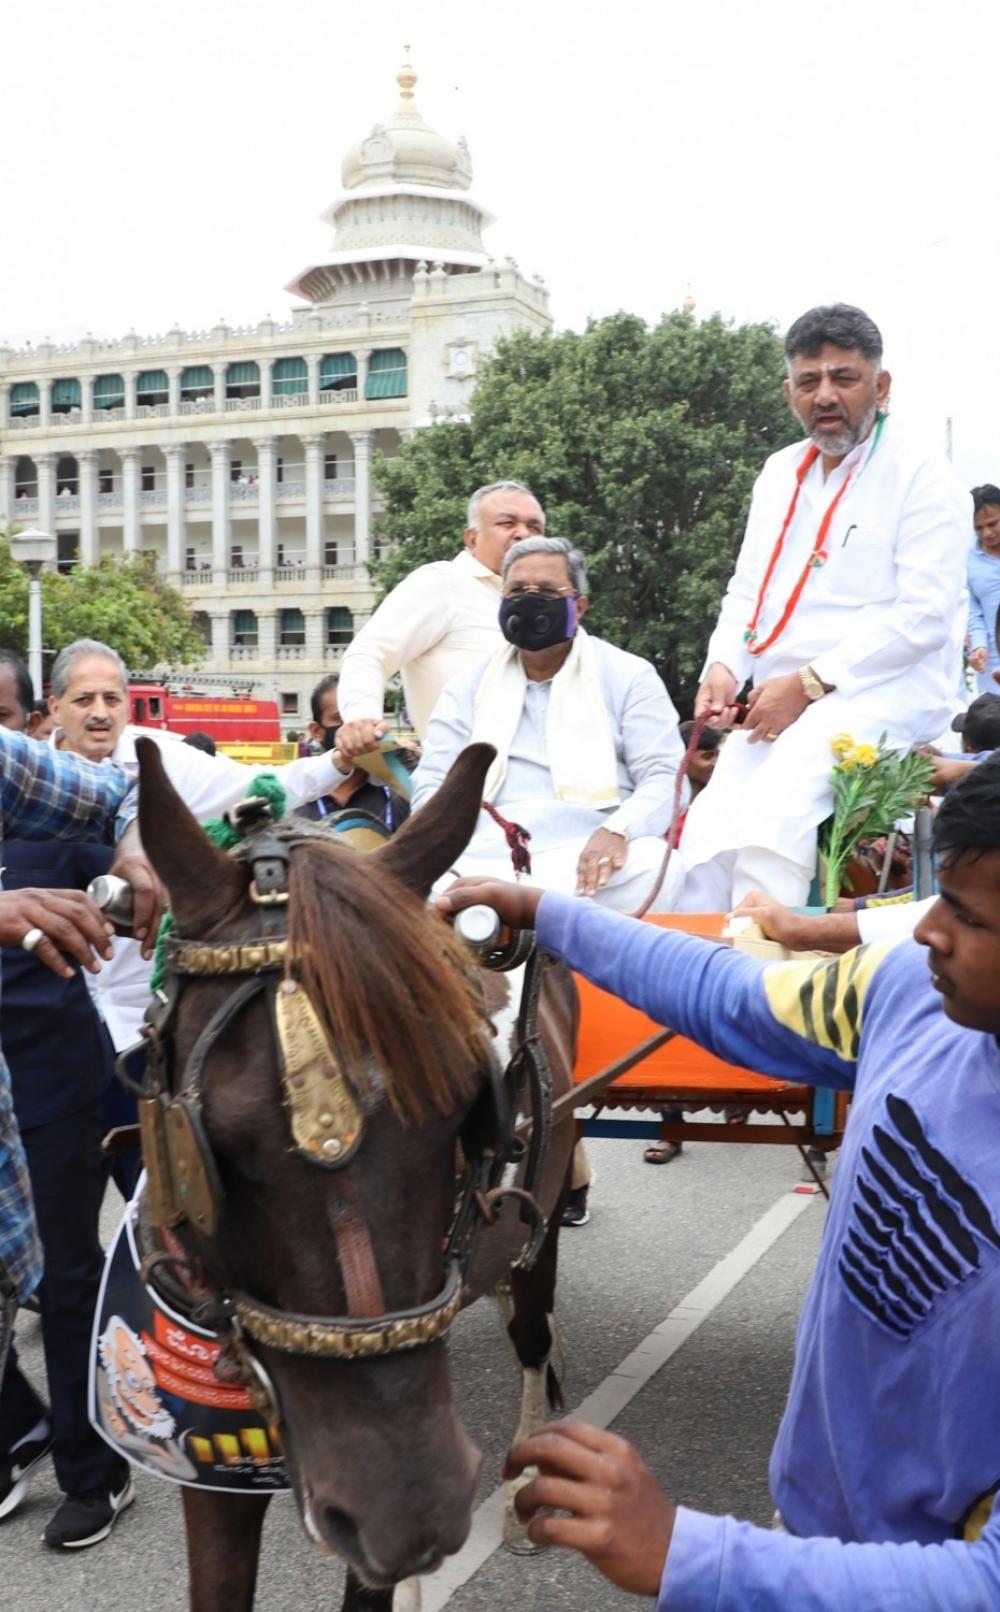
{"x": 197, "y": 495}
{"x": 243, "y": 575}
{"x": 67, "y": 503}
{"x": 197, "y": 406}
{"x": 241, "y": 405}
{"x": 345, "y": 573}
{"x": 24, "y": 506}
{"x": 291, "y": 652}
{"x": 110, "y": 500}
{"x": 289, "y": 489}
{"x": 197, "y": 579}
{"x": 153, "y": 497}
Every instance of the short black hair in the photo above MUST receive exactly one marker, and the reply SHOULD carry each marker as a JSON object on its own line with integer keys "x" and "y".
{"x": 980, "y": 724}
{"x": 324, "y": 686}
{"x": 968, "y": 820}
{"x": 709, "y": 739}
{"x": 22, "y": 681}
{"x": 984, "y": 495}
{"x": 200, "y": 741}
{"x": 839, "y": 324}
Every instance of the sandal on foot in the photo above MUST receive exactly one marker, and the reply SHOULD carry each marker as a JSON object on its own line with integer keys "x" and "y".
{"x": 662, "y": 1152}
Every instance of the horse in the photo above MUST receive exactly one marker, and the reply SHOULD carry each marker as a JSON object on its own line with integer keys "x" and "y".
{"x": 315, "y": 1225}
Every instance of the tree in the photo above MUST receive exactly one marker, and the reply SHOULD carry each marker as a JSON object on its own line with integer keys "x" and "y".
{"x": 642, "y": 444}
{"x": 124, "y": 603}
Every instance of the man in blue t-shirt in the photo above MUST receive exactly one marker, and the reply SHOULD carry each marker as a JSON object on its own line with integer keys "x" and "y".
{"x": 887, "y": 1463}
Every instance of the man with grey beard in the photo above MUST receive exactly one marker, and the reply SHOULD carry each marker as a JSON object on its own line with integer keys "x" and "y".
{"x": 846, "y": 612}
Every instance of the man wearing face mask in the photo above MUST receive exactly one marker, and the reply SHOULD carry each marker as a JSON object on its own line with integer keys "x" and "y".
{"x": 586, "y": 737}
{"x": 358, "y": 789}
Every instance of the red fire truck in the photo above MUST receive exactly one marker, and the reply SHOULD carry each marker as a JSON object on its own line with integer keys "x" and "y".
{"x": 248, "y": 728}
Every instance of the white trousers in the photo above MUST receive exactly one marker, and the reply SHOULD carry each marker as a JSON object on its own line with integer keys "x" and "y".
{"x": 625, "y": 891}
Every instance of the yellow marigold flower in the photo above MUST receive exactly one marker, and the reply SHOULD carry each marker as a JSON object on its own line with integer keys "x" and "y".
{"x": 848, "y": 762}
{"x": 841, "y": 744}
{"x": 866, "y": 755}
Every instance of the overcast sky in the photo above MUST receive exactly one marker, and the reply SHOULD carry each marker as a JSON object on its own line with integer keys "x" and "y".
{"x": 167, "y": 160}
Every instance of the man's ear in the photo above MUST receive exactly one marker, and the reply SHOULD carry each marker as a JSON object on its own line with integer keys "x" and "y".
{"x": 882, "y": 387}
{"x": 582, "y": 606}
{"x": 787, "y": 388}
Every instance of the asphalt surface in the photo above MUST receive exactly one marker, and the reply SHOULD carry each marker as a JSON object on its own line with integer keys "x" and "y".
{"x": 704, "y": 1422}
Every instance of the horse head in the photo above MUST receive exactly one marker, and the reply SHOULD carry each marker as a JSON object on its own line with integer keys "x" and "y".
{"x": 322, "y": 1093}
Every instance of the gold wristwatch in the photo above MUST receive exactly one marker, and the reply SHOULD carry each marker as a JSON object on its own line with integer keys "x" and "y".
{"x": 812, "y": 688}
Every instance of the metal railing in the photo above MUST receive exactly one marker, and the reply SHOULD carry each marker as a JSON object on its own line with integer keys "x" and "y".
{"x": 153, "y": 495}
{"x": 339, "y": 487}
{"x": 112, "y": 500}
{"x": 290, "y": 489}
{"x": 24, "y": 506}
{"x": 66, "y": 502}
{"x": 243, "y": 492}
{"x": 197, "y": 495}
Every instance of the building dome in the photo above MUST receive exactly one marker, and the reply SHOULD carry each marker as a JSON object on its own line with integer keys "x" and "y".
{"x": 406, "y": 150}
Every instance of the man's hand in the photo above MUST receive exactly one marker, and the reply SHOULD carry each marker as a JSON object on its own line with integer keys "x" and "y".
{"x": 69, "y": 921}
{"x": 620, "y": 1519}
{"x": 948, "y": 771}
{"x": 718, "y": 695}
{"x": 774, "y": 921}
{"x": 356, "y": 739}
{"x": 514, "y": 904}
{"x": 774, "y": 706}
{"x": 148, "y": 895}
{"x": 979, "y": 659}
{"x": 603, "y": 854}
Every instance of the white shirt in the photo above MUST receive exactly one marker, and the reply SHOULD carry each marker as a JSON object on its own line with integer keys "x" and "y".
{"x": 647, "y": 747}
{"x": 440, "y": 620}
{"x": 886, "y": 613}
{"x": 208, "y": 785}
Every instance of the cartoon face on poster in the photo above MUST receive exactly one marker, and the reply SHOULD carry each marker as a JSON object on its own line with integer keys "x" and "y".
{"x": 154, "y": 1395}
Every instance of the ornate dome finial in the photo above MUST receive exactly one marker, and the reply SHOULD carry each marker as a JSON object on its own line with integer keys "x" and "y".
{"x": 406, "y": 77}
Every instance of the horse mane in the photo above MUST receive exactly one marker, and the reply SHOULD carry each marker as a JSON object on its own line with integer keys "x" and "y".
{"x": 388, "y": 978}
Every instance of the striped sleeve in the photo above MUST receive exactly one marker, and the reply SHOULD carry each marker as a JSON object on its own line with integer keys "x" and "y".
{"x": 823, "y": 1002}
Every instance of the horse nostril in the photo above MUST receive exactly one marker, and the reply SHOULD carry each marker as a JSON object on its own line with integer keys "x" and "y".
{"x": 341, "y": 1532}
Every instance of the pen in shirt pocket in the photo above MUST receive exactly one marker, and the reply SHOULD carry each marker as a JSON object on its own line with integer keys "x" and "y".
{"x": 847, "y": 534}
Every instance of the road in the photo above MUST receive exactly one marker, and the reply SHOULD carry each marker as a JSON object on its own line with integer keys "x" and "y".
{"x": 677, "y": 1307}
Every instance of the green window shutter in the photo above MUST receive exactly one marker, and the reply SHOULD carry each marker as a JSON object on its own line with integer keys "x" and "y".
{"x": 337, "y": 371}
{"x": 109, "y": 392}
{"x": 386, "y": 374}
{"x": 293, "y": 626}
{"x": 197, "y": 378}
{"x": 66, "y": 394}
{"x": 339, "y": 625}
{"x": 244, "y": 621}
{"x": 289, "y": 377}
{"x": 152, "y": 381}
{"x": 243, "y": 374}
{"x": 24, "y": 398}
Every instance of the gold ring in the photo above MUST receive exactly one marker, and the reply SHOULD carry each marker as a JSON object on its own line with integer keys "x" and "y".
{"x": 774, "y": 735}
{"x": 604, "y": 861}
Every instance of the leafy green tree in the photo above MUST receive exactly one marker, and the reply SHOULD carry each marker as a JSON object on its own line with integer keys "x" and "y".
{"x": 125, "y": 603}
{"x": 642, "y": 443}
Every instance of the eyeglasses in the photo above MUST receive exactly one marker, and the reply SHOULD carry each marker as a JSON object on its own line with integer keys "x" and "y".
{"x": 517, "y": 590}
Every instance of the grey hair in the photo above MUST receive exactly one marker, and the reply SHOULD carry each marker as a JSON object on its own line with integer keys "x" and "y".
{"x": 472, "y": 513}
{"x": 576, "y": 561}
{"x": 67, "y": 658}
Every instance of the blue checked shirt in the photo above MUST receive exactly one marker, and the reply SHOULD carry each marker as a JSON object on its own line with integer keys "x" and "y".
{"x": 45, "y": 794}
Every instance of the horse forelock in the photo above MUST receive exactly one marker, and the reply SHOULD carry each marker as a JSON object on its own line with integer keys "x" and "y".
{"x": 388, "y": 978}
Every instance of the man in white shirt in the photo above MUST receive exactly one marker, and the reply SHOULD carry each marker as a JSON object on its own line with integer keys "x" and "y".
{"x": 89, "y": 700}
{"x": 437, "y": 622}
{"x": 846, "y": 608}
{"x": 586, "y": 737}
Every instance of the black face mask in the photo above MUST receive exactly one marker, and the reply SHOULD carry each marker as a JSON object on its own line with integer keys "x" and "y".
{"x": 538, "y": 620}
{"x": 330, "y": 737}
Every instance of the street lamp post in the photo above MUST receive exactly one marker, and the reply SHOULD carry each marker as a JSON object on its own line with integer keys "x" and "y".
{"x": 33, "y": 549}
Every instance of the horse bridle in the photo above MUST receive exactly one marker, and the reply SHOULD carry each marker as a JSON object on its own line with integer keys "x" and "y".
{"x": 327, "y": 1122}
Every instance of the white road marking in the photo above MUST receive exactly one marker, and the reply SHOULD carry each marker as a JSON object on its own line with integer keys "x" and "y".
{"x": 610, "y": 1397}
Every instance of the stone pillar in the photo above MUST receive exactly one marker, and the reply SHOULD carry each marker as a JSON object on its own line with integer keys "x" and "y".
{"x": 130, "y": 458}
{"x": 175, "y": 455}
{"x": 314, "y": 640}
{"x": 8, "y": 489}
{"x": 45, "y": 467}
{"x": 312, "y": 363}
{"x": 45, "y": 402}
{"x": 362, "y": 356}
{"x": 87, "y": 400}
{"x": 220, "y": 508}
{"x": 4, "y": 404}
{"x": 267, "y": 636}
{"x": 87, "y": 468}
{"x": 128, "y": 376}
{"x": 174, "y": 389}
{"x": 362, "y": 441}
{"x": 266, "y": 509}
{"x": 220, "y": 636}
{"x": 315, "y": 448}
{"x": 266, "y": 390}
{"x": 219, "y": 377}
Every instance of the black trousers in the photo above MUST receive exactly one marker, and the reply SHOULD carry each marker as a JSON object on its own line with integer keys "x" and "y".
{"x": 67, "y": 1179}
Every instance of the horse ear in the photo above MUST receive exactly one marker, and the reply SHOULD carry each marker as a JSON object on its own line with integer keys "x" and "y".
{"x": 431, "y": 840}
{"x": 202, "y": 881}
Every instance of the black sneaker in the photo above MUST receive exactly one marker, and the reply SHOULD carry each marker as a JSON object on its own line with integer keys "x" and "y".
{"x": 86, "y": 1519}
{"x": 16, "y": 1469}
{"x": 576, "y": 1212}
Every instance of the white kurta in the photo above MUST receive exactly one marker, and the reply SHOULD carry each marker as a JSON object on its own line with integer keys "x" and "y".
{"x": 883, "y": 620}
{"x": 440, "y": 620}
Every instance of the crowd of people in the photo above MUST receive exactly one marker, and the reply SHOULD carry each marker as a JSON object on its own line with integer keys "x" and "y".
{"x": 866, "y": 589}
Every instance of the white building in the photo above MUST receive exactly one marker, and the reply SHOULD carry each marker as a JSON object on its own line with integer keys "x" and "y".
{"x": 242, "y": 458}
